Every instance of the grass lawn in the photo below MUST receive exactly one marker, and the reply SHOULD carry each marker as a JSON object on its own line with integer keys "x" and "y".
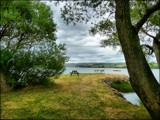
{"x": 83, "y": 97}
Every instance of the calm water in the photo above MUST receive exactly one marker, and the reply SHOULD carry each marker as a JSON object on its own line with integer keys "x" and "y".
{"x": 131, "y": 97}
{"x": 108, "y": 70}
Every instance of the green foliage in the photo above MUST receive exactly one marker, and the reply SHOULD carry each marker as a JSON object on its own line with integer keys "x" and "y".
{"x": 29, "y": 53}
{"x": 138, "y": 9}
{"x": 122, "y": 86}
{"x": 103, "y": 27}
{"x": 26, "y": 21}
{"x": 106, "y": 27}
{"x": 33, "y": 67}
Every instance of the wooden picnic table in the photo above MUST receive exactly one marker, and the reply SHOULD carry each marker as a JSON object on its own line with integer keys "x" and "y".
{"x": 74, "y": 72}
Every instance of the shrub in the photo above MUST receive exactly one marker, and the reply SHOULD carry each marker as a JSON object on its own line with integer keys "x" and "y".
{"x": 33, "y": 67}
{"x": 122, "y": 86}
{"x": 29, "y": 53}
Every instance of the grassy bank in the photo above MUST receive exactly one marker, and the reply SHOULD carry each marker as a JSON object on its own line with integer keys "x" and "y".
{"x": 122, "y": 86}
{"x": 83, "y": 97}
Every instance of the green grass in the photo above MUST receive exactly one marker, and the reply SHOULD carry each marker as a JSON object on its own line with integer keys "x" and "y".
{"x": 123, "y": 86}
{"x": 153, "y": 65}
{"x": 83, "y": 97}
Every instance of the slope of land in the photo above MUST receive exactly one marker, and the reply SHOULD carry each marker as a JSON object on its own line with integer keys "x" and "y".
{"x": 72, "y": 97}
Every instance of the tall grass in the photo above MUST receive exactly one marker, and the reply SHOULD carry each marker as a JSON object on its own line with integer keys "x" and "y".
{"x": 123, "y": 86}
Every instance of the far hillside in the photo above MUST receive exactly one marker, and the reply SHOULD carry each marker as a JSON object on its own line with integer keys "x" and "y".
{"x": 105, "y": 65}
{"x": 97, "y": 65}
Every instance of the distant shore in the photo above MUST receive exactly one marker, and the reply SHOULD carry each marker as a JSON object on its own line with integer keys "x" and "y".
{"x": 105, "y": 65}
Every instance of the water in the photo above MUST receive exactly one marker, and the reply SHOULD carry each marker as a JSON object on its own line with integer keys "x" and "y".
{"x": 131, "y": 97}
{"x": 108, "y": 70}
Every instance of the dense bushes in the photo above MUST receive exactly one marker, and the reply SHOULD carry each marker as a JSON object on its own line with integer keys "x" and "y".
{"x": 32, "y": 67}
{"x": 29, "y": 53}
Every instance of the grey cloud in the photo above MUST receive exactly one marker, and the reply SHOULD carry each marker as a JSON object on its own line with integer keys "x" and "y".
{"x": 81, "y": 47}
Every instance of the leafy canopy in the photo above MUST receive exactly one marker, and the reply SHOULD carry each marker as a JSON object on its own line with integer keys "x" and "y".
{"x": 28, "y": 44}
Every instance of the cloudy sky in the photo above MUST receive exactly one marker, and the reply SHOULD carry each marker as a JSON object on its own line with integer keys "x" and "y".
{"x": 82, "y": 47}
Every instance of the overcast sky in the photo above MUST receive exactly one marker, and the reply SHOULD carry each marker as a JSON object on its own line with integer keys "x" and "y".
{"x": 82, "y": 47}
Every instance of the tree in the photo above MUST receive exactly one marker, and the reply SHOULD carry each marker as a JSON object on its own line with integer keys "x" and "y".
{"x": 149, "y": 44}
{"x": 26, "y": 22}
{"x": 150, "y": 28}
{"x": 29, "y": 53}
{"x": 141, "y": 76}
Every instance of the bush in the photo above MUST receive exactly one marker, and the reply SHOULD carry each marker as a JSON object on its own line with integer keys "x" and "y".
{"x": 29, "y": 53}
{"x": 122, "y": 86}
{"x": 32, "y": 67}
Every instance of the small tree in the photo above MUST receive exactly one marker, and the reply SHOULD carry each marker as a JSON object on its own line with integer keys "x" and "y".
{"x": 29, "y": 53}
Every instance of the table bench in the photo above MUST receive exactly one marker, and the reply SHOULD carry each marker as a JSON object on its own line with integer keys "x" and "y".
{"x": 74, "y": 72}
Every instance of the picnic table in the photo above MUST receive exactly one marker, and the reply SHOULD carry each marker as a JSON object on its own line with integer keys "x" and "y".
{"x": 74, "y": 72}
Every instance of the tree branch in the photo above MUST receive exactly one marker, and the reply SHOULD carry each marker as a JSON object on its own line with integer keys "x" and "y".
{"x": 3, "y": 31}
{"x": 96, "y": 3}
{"x": 158, "y": 35}
{"x": 147, "y": 33}
{"x": 150, "y": 48}
{"x": 157, "y": 38}
{"x": 146, "y": 15}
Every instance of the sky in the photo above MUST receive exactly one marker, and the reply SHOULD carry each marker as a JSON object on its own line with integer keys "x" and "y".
{"x": 81, "y": 46}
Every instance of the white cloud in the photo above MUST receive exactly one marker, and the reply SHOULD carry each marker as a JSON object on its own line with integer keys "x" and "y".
{"x": 81, "y": 47}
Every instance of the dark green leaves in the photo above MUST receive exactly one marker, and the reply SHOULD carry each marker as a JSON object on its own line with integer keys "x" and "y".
{"x": 29, "y": 53}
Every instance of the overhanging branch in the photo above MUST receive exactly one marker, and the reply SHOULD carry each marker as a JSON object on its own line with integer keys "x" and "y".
{"x": 150, "y": 48}
{"x": 147, "y": 15}
{"x": 96, "y": 3}
{"x": 158, "y": 35}
{"x": 156, "y": 38}
{"x": 147, "y": 33}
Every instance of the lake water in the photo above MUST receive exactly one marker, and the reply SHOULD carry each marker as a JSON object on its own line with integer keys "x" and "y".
{"x": 124, "y": 71}
{"x": 131, "y": 97}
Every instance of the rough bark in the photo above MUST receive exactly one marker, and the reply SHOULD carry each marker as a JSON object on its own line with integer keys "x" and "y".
{"x": 156, "y": 48}
{"x": 156, "y": 45}
{"x": 141, "y": 76}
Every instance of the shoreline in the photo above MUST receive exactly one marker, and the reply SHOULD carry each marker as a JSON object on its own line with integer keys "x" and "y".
{"x": 108, "y": 80}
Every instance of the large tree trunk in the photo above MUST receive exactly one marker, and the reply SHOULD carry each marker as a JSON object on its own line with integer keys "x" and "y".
{"x": 141, "y": 76}
{"x": 156, "y": 48}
